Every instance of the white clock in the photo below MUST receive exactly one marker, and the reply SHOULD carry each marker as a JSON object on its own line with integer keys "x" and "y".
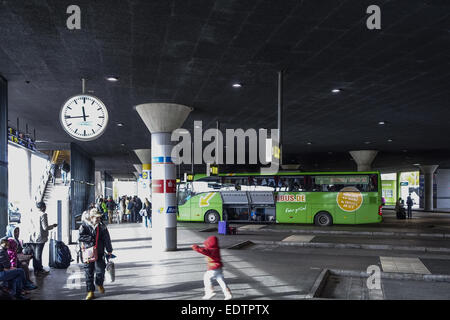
{"x": 84, "y": 117}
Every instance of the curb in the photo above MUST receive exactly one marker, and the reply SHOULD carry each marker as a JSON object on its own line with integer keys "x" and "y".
{"x": 350, "y": 246}
{"x": 242, "y": 244}
{"x": 359, "y": 233}
{"x": 318, "y": 285}
{"x": 392, "y": 275}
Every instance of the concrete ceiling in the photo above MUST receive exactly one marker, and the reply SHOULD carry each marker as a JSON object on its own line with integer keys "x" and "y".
{"x": 191, "y": 52}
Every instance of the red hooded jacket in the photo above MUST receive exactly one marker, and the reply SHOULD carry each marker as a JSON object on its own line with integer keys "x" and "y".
{"x": 211, "y": 251}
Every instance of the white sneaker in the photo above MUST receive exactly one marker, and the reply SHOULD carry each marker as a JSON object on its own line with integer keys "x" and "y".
{"x": 228, "y": 296}
{"x": 208, "y": 296}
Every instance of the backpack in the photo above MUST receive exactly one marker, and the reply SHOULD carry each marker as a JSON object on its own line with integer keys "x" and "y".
{"x": 62, "y": 256}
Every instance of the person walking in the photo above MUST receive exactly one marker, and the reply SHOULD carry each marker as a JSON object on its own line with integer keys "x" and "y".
{"x": 148, "y": 213}
{"x": 53, "y": 168}
{"x": 130, "y": 210}
{"x": 212, "y": 252}
{"x": 39, "y": 236}
{"x": 93, "y": 233}
{"x": 65, "y": 168}
{"x": 409, "y": 204}
{"x": 137, "y": 208}
{"x": 111, "y": 206}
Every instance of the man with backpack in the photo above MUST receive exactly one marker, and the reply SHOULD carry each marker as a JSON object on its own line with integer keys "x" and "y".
{"x": 65, "y": 168}
{"x": 409, "y": 204}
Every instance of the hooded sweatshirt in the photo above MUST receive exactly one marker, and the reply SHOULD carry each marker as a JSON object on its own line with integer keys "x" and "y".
{"x": 15, "y": 246}
{"x": 211, "y": 251}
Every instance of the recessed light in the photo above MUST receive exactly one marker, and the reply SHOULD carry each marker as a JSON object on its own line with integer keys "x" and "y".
{"x": 336, "y": 90}
{"x": 120, "y": 124}
{"x": 309, "y": 143}
{"x": 113, "y": 79}
{"x": 367, "y": 142}
{"x": 237, "y": 85}
{"x": 390, "y": 140}
{"x": 416, "y": 164}
{"x": 381, "y": 122}
{"x": 122, "y": 144}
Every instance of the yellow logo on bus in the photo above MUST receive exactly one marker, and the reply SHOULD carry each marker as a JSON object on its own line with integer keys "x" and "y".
{"x": 204, "y": 201}
{"x": 349, "y": 199}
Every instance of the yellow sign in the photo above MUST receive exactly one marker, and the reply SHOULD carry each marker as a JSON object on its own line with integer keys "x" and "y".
{"x": 144, "y": 175}
{"x": 204, "y": 201}
{"x": 349, "y": 199}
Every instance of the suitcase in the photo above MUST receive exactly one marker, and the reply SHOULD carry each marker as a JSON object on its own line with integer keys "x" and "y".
{"x": 223, "y": 227}
{"x": 59, "y": 254}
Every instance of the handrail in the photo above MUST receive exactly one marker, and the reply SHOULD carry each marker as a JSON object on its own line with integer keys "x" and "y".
{"x": 39, "y": 194}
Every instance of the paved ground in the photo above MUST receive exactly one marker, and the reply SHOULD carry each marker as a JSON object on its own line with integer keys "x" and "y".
{"x": 280, "y": 263}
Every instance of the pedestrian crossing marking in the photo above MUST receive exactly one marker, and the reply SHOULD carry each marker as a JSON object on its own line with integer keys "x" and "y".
{"x": 404, "y": 265}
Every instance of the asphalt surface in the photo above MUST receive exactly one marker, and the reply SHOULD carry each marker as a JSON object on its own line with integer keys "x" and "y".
{"x": 270, "y": 268}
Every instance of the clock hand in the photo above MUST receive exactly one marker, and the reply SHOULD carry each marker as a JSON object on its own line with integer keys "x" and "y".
{"x": 69, "y": 117}
{"x": 84, "y": 115}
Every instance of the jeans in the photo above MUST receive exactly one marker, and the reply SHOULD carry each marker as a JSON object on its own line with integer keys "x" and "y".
{"x": 409, "y": 212}
{"x": 37, "y": 248}
{"x": 149, "y": 219}
{"x": 97, "y": 267}
{"x": 15, "y": 279}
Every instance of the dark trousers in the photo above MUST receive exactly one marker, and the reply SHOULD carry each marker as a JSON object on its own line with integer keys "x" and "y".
{"x": 409, "y": 212}
{"x": 37, "y": 248}
{"x": 15, "y": 279}
{"x": 96, "y": 269}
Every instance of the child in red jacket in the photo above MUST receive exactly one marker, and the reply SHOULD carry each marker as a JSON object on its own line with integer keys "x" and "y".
{"x": 212, "y": 252}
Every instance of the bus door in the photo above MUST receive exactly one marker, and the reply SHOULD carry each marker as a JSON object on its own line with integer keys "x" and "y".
{"x": 184, "y": 194}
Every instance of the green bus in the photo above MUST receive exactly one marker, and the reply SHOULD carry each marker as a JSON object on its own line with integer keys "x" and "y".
{"x": 321, "y": 198}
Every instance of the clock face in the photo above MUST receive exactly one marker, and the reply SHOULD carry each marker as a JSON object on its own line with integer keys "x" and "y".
{"x": 84, "y": 117}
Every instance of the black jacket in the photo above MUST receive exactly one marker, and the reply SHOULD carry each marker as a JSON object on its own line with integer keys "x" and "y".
{"x": 88, "y": 235}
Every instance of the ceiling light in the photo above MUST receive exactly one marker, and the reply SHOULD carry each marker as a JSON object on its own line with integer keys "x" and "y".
{"x": 336, "y": 90}
{"x": 308, "y": 143}
{"x": 416, "y": 164}
{"x": 113, "y": 79}
{"x": 120, "y": 124}
{"x": 381, "y": 123}
{"x": 389, "y": 140}
{"x": 122, "y": 144}
{"x": 237, "y": 85}
{"x": 367, "y": 142}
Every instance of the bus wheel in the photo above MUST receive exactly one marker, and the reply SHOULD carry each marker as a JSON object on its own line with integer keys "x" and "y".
{"x": 212, "y": 216}
{"x": 323, "y": 219}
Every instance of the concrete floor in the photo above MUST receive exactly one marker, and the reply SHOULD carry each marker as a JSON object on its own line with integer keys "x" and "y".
{"x": 274, "y": 272}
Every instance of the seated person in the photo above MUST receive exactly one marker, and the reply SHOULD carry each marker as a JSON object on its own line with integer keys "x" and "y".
{"x": 17, "y": 258}
{"x": 14, "y": 277}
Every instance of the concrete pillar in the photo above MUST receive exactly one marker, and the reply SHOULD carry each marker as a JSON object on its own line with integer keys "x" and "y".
{"x": 161, "y": 119}
{"x": 98, "y": 184}
{"x": 3, "y": 156}
{"x": 138, "y": 168}
{"x": 145, "y": 156}
{"x": 364, "y": 159}
{"x": 428, "y": 171}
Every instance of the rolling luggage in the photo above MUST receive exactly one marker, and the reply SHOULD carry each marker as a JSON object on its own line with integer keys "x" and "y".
{"x": 223, "y": 227}
{"x": 59, "y": 254}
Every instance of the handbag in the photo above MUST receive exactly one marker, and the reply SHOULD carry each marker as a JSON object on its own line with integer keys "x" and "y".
{"x": 90, "y": 254}
{"x": 110, "y": 274}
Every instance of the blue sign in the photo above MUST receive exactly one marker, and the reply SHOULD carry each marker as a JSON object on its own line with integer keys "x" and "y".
{"x": 171, "y": 209}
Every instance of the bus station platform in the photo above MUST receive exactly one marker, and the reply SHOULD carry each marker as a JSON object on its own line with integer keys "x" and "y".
{"x": 275, "y": 262}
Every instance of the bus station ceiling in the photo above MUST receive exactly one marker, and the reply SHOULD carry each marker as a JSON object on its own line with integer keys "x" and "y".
{"x": 191, "y": 52}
